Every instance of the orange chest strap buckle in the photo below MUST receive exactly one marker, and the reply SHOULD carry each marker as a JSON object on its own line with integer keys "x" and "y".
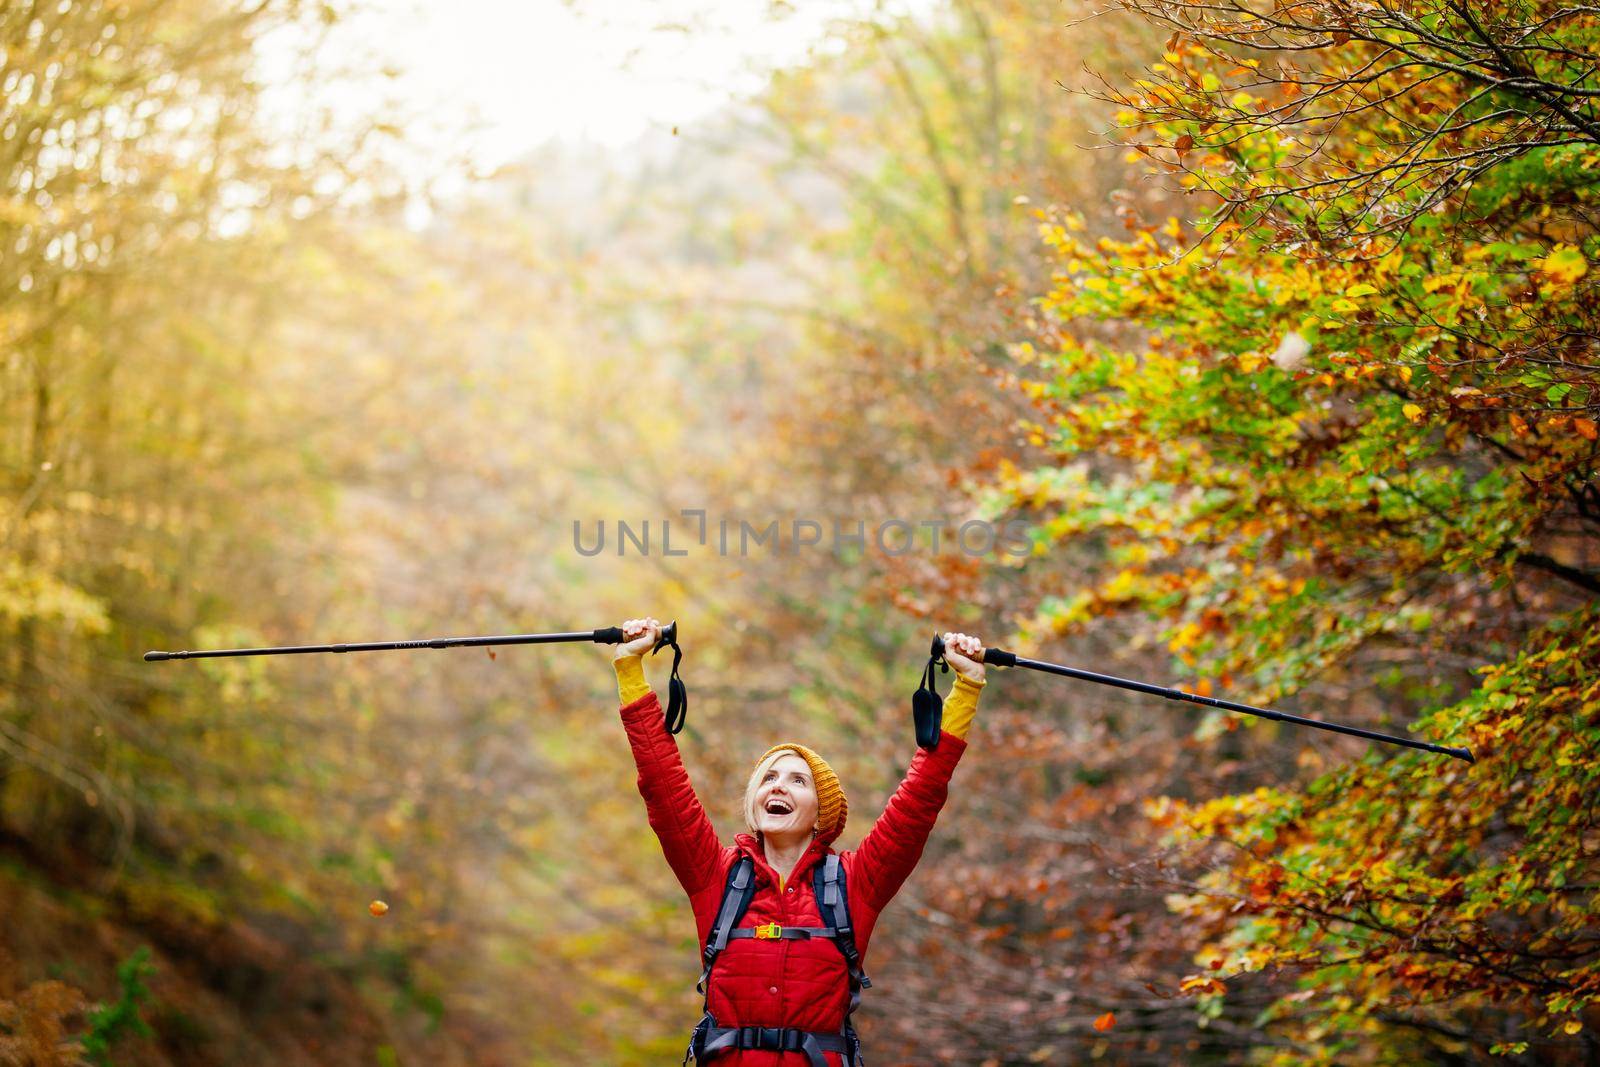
{"x": 769, "y": 932}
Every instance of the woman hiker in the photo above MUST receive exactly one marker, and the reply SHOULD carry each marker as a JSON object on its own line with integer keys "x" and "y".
{"x": 783, "y": 919}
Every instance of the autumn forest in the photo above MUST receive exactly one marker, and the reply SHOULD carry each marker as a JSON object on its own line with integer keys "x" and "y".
{"x": 1246, "y": 347}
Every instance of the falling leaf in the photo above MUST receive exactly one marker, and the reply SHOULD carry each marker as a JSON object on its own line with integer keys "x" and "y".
{"x": 1291, "y": 352}
{"x": 1572, "y": 1027}
{"x": 377, "y": 907}
{"x": 491, "y": 653}
{"x": 1106, "y": 1021}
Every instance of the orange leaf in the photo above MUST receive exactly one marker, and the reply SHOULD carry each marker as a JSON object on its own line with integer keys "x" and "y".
{"x": 1586, "y": 427}
{"x": 1106, "y": 1021}
{"x": 1199, "y": 983}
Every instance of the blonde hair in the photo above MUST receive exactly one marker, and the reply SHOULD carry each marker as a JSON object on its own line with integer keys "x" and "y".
{"x": 754, "y": 785}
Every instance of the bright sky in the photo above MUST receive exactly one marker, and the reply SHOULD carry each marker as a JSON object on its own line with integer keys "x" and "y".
{"x": 531, "y": 70}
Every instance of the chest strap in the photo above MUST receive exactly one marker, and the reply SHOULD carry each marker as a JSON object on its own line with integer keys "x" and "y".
{"x": 774, "y": 932}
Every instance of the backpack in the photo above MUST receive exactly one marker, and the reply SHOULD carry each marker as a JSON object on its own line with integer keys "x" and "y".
{"x": 833, "y": 901}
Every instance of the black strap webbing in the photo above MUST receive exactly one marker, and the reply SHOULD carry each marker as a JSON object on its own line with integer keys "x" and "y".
{"x": 813, "y": 1043}
{"x": 677, "y": 694}
{"x": 833, "y": 901}
{"x": 927, "y": 706}
{"x": 736, "y": 896}
{"x": 783, "y": 933}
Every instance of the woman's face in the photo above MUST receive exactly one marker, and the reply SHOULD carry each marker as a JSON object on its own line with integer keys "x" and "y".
{"x": 786, "y": 799}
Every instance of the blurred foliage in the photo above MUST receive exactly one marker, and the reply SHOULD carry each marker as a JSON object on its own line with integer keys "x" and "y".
{"x": 109, "y": 1022}
{"x": 1349, "y": 431}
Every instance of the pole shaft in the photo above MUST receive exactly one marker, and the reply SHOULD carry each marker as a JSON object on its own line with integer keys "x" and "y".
{"x": 384, "y": 646}
{"x": 1007, "y": 659}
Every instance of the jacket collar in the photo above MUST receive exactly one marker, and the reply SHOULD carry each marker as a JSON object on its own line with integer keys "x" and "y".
{"x": 750, "y": 845}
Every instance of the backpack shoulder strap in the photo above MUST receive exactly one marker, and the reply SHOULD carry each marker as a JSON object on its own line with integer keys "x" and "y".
{"x": 736, "y": 894}
{"x": 833, "y": 901}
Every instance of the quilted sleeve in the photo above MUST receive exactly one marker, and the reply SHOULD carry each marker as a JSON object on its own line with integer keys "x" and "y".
{"x": 891, "y": 849}
{"x": 675, "y": 812}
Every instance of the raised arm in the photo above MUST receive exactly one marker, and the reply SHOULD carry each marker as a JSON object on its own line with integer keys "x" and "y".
{"x": 675, "y": 812}
{"x": 892, "y": 848}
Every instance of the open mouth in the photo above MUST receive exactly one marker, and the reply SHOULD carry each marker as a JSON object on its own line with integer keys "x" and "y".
{"x": 775, "y": 806}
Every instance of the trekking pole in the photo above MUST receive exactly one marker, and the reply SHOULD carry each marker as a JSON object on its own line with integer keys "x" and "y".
{"x": 927, "y": 707}
{"x": 677, "y": 700}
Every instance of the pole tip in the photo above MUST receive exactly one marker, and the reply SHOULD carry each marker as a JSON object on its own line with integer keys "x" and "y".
{"x": 1464, "y": 754}
{"x": 151, "y": 656}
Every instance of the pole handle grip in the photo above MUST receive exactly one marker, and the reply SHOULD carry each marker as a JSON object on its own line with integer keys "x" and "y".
{"x": 613, "y": 635}
{"x": 669, "y": 636}
{"x": 677, "y": 709}
{"x": 994, "y": 657}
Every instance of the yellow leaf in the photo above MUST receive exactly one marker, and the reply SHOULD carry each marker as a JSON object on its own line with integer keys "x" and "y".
{"x": 1564, "y": 265}
{"x": 1210, "y": 83}
{"x": 1572, "y": 1026}
{"x": 1186, "y": 636}
{"x": 1412, "y": 412}
{"x": 1361, "y": 290}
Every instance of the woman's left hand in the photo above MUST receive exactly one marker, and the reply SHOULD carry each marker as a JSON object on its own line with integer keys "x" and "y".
{"x": 964, "y": 653}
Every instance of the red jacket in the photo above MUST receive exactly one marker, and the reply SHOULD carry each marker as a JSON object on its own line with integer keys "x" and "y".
{"x": 792, "y": 983}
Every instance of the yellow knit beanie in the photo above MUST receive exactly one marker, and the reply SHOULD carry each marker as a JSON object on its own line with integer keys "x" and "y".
{"x": 832, "y": 807}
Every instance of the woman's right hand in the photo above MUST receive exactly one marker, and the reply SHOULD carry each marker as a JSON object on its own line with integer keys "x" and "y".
{"x": 638, "y": 637}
